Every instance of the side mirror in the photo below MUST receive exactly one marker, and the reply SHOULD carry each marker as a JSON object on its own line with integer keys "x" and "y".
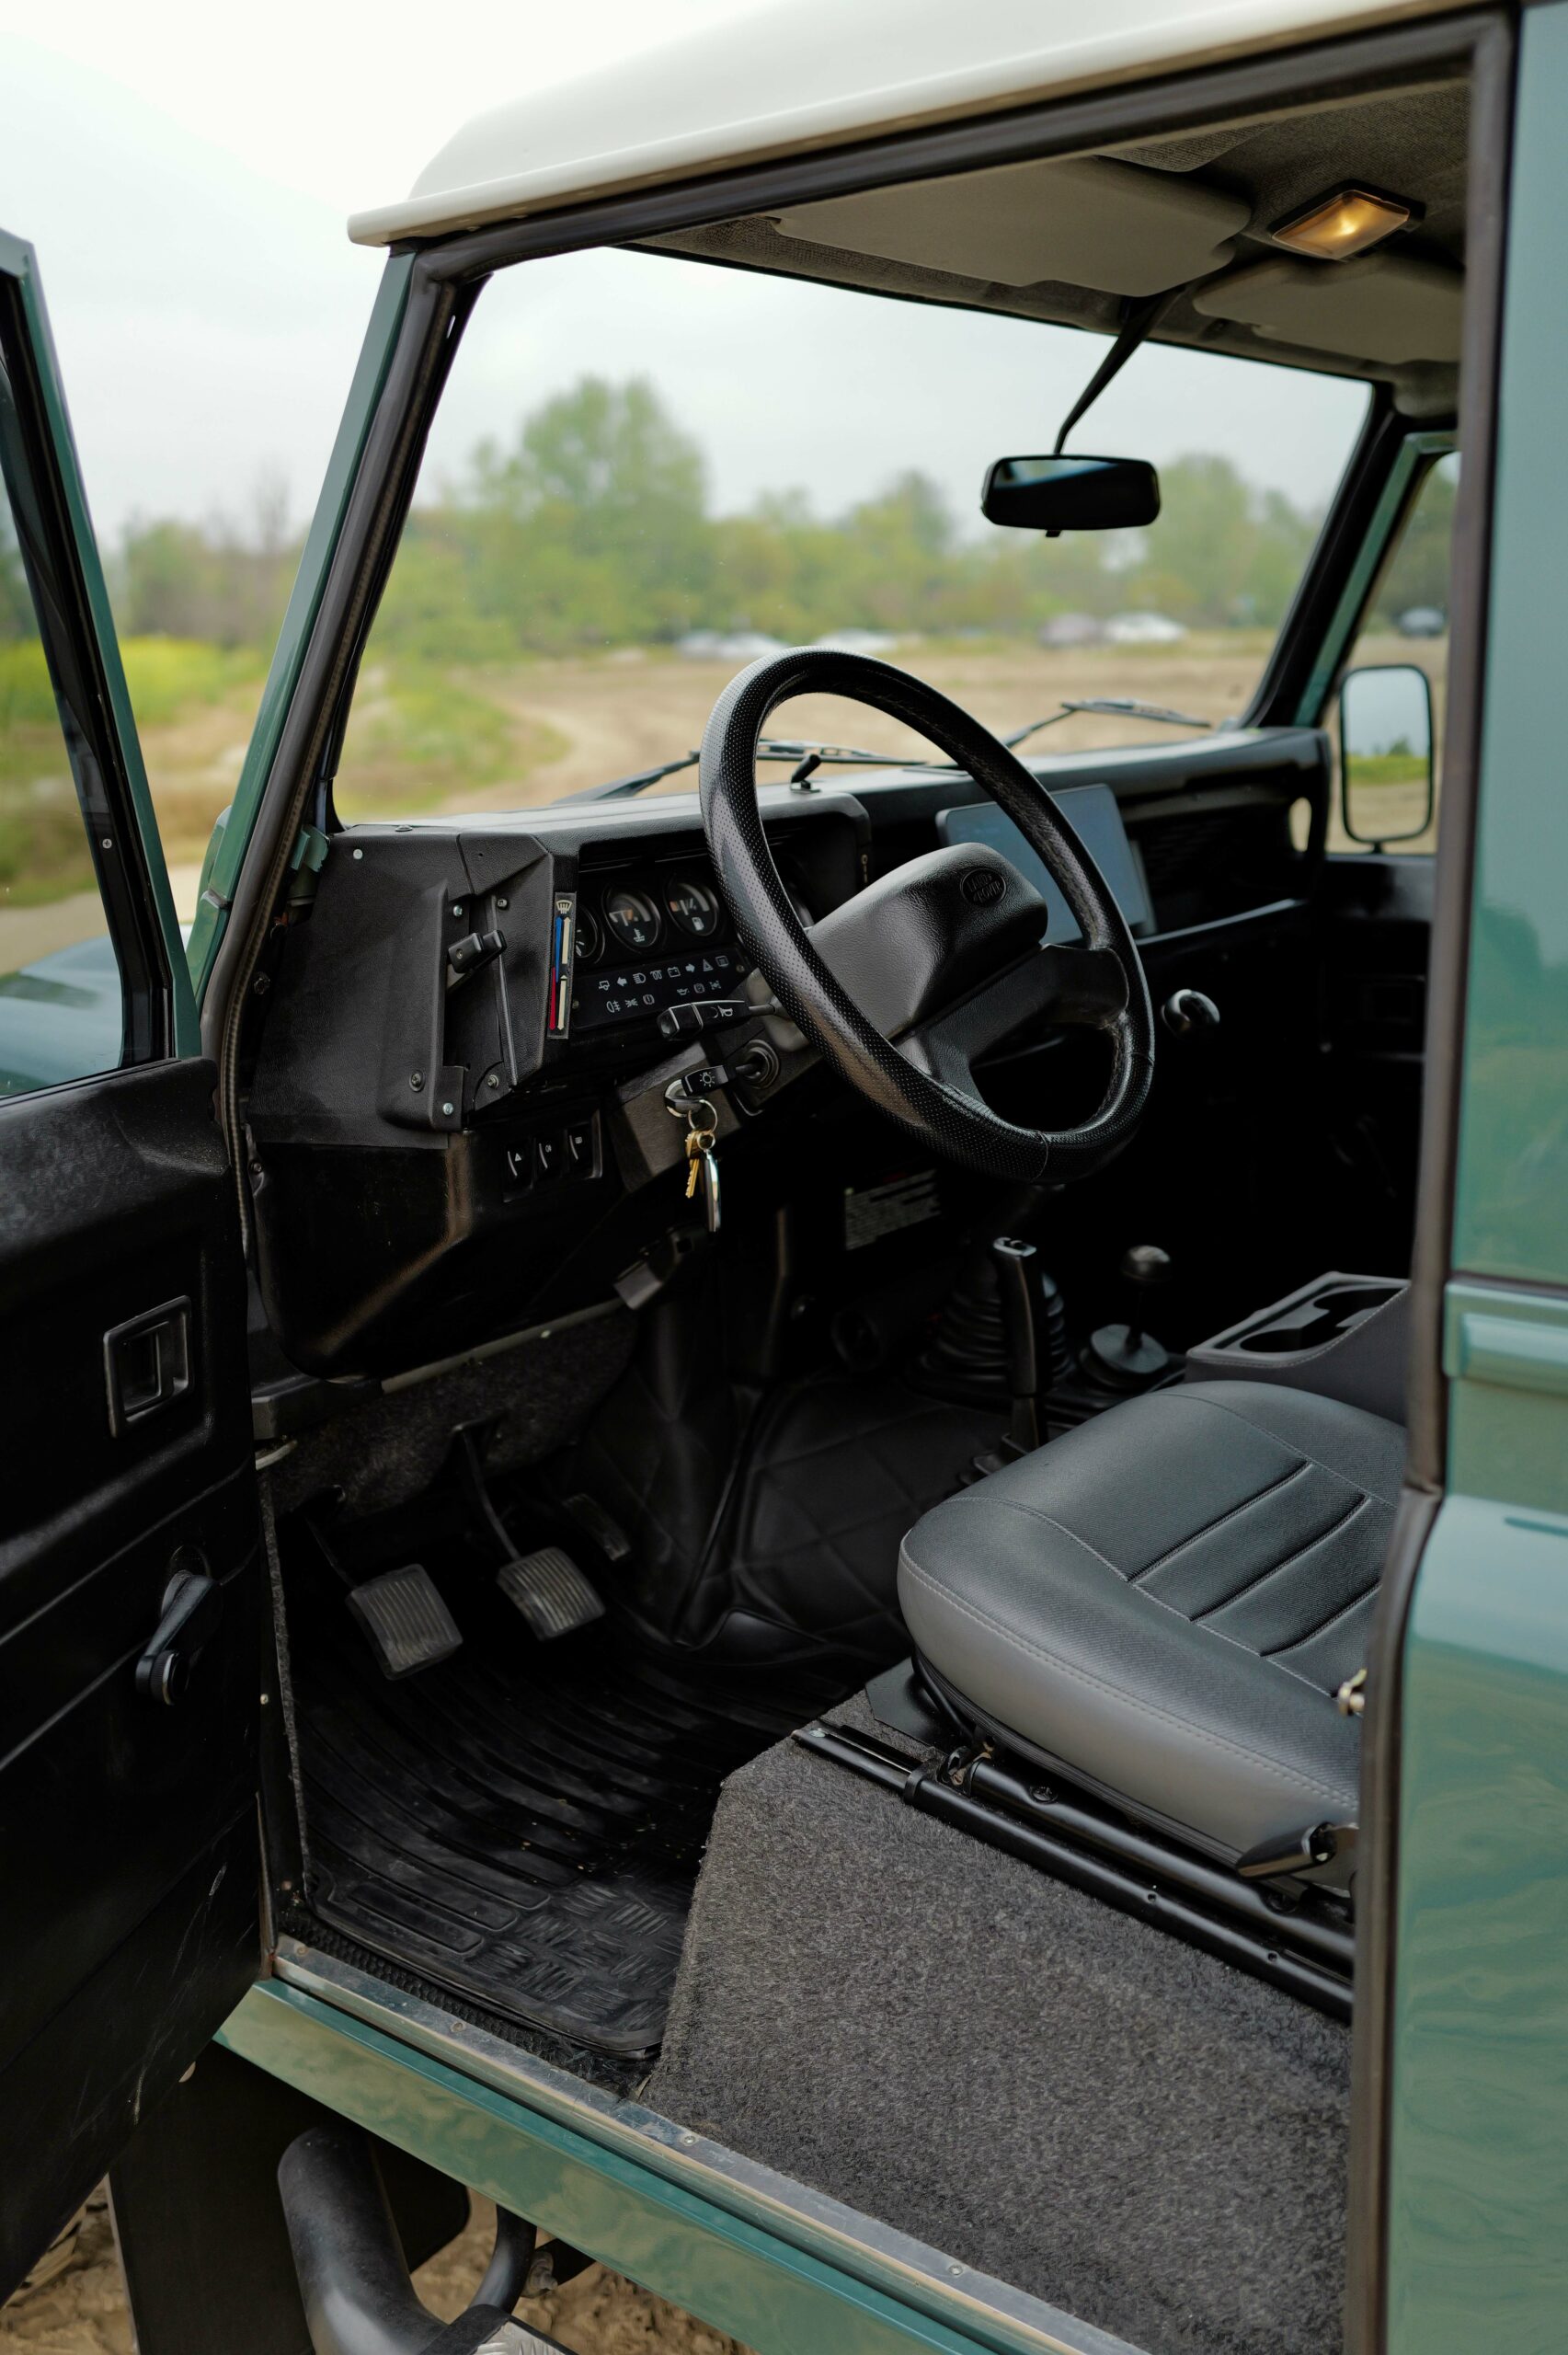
{"x": 1061, "y": 494}
{"x": 1387, "y": 783}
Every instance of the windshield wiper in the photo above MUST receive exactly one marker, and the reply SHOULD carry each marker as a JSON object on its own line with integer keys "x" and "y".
{"x": 771, "y": 748}
{"x": 1114, "y": 707}
{"x": 811, "y": 756}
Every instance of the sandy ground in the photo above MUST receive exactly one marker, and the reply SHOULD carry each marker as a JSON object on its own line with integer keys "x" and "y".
{"x": 83, "y": 2310}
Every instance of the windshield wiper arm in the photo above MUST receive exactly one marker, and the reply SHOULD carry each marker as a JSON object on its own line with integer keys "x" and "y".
{"x": 770, "y": 748}
{"x": 1114, "y": 707}
{"x": 621, "y": 788}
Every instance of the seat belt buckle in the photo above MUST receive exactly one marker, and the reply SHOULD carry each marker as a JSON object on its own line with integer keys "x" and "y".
{"x": 1298, "y": 1852}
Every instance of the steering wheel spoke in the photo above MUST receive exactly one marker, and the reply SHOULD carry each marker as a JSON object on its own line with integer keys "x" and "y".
{"x": 909, "y": 986}
{"x": 1057, "y": 987}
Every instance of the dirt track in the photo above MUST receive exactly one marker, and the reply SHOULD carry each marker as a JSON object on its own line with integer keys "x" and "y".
{"x": 83, "y": 2311}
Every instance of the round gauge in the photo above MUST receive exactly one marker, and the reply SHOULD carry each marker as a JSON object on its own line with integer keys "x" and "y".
{"x": 590, "y": 940}
{"x": 632, "y": 918}
{"x": 693, "y": 905}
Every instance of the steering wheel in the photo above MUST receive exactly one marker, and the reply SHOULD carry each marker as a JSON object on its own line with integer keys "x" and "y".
{"x": 903, "y": 988}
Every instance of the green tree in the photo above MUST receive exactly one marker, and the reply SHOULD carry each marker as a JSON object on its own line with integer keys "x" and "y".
{"x": 594, "y": 526}
{"x": 1222, "y": 552}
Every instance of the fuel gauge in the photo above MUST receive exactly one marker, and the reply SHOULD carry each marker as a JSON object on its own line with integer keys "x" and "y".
{"x": 693, "y": 906}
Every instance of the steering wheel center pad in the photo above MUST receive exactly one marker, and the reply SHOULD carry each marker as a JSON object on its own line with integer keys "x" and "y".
{"x": 925, "y": 913}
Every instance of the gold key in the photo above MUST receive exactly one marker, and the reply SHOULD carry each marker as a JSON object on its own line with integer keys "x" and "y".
{"x": 701, "y": 1128}
{"x": 702, "y": 1134}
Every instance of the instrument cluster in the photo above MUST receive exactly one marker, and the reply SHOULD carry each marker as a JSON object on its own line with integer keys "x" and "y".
{"x": 647, "y": 939}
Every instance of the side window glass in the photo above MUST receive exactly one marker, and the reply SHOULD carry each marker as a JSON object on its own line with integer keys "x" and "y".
{"x": 1406, "y": 629}
{"x": 60, "y": 998}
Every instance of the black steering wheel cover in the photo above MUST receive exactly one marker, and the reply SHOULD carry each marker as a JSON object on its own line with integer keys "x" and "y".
{"x": 950, "y": 1125}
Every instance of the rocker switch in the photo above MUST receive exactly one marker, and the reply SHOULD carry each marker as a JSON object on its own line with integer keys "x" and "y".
{"x": 474, "y": 949}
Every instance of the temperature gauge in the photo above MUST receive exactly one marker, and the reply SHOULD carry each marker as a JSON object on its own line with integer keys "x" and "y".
{"x": 632, "y": 919}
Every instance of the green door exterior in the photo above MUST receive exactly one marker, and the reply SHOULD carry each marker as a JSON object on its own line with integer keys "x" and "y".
{"x": 1478, "y": 2250}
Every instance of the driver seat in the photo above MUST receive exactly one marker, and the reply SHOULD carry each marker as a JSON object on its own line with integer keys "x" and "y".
{"x": 1162, "y": 1604}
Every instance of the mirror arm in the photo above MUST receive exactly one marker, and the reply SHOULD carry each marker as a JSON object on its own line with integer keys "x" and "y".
{"x": 1138, "y": 325}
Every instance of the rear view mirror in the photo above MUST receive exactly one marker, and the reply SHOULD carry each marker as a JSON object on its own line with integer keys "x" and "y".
{"x": 1387, "y": 788}
{"x": 1062, "y": 494}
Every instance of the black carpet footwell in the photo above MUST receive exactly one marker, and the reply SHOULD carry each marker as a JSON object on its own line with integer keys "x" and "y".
{"x": 946, "y": 2038}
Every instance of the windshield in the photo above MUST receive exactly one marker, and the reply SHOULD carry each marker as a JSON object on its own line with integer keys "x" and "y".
{"x": 645, "y": 471}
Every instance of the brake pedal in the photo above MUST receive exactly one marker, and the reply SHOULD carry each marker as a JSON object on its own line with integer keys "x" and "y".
{"x": 551, "y": 1592}
{"x": 405, "y": 1623}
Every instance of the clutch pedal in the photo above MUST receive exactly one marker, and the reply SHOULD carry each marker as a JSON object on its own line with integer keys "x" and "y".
{"x": 551, "y": 1592}
{"x": 405, "y": 1623}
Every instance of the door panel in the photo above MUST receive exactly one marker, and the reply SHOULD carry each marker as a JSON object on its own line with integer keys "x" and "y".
{"x": 129, "y": 1854}
{"x": 116, "y": 1810}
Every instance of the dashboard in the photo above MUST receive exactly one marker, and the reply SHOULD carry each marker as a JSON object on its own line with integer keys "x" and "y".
{"x": 456, "y": 1100}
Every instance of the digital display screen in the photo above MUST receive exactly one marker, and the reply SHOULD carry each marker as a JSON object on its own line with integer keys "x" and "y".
{"x": 1090, "y": 810}
{"x": 633, "y": 992}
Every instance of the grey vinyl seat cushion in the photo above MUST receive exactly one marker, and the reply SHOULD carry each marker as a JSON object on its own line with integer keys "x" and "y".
{"x": 1162, "y": 1603}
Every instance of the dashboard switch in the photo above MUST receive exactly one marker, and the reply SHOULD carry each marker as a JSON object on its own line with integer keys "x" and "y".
{"x": 549, "y": 1156}
{"x": 475, "y": 949}
{"x": 582, "y": 1148}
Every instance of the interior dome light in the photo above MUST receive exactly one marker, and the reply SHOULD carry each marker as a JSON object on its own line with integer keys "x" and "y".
{"x": 1333, "y": 227}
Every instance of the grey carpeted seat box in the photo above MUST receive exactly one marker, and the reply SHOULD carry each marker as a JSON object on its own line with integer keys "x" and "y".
{"x": 1051, "y": 2092}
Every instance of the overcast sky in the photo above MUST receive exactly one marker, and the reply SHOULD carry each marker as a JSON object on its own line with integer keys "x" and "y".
{"x": 186, "y": 173}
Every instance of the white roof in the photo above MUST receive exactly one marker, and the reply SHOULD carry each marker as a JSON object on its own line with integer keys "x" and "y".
{"x": 806, "y": 73}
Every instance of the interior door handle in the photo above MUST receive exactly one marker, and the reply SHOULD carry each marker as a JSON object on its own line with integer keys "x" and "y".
{"x": 191, "y": 1607}
{"x": 146, "y": 1363}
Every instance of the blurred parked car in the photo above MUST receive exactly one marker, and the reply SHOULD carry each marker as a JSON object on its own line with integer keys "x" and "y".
{"x": 1422, "y": 621}
{"x": 1072, "y": 630}
{"x": 860, "y": 641}
{"x": 1143, "y": 629}
{"x": 727, "y": 646}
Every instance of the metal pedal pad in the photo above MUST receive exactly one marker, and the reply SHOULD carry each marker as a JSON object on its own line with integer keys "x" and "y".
{"x": 551, "y": 1592}
{"x": 406, "y": 1622}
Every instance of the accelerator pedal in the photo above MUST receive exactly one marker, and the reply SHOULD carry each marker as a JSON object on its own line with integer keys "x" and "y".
{"x": 551, "y": 1592}
{"x": 405, "y": 1621}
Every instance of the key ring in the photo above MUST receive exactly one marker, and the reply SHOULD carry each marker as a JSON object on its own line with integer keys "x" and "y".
{"x": 699, "y": 1116}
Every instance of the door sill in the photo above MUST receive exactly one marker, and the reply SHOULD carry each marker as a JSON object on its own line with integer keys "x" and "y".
{"x": 988, "y": 2313}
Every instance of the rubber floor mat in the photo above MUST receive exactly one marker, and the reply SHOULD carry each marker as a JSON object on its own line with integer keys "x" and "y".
{"x": 525, "y": 1823}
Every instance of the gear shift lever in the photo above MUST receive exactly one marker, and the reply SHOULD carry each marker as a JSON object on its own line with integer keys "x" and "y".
{"x": 1033, "y": 1329}
{"x": 1128, "y": 1357}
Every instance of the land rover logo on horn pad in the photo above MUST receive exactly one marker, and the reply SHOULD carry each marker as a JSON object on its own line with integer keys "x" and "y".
{"x": 983, "y": 886}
